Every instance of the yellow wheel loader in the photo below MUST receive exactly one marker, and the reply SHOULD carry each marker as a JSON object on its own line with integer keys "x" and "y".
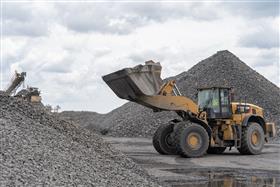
{"x": 209, "y": 126}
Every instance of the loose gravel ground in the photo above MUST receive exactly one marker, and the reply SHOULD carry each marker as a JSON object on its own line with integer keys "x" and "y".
{"x": 228, "y": 169}
{"x": 38, "y": 149}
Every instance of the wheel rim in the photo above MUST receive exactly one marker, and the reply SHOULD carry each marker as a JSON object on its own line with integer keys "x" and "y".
{"x": 194, "y": 140}
{"x": 255, "y": 138}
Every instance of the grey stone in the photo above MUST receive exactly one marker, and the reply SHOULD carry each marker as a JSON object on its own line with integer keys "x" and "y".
{"x": 39, "y": 149}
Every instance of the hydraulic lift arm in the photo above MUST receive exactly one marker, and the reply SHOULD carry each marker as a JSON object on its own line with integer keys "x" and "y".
{"x": 142, "y": 84}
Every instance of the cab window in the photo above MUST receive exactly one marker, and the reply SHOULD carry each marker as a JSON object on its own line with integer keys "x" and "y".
{"x": 225, "y": 100}
{"x": 209, "y": 99}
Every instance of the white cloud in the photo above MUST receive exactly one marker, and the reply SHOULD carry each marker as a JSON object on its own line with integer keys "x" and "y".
{"x": 35, "y": 19}
{"x": 27, "y": 19}
{"x": 82, "y": 42}
{"x": 254, "y": 9}
{"x": 262, "y": 33}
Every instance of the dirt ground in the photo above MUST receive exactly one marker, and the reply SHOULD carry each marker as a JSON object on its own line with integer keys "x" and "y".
{"x": 229, "y": 169}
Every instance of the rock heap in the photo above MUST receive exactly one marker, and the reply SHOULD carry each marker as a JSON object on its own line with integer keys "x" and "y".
{"x": 85, "y": 119}
{"x": 38, "y": 149}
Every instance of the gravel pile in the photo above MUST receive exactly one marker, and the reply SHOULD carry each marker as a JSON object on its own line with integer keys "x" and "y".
{"x": 221, "y": 69}
{"x": 85, "y": 119}
{"x": 134, "y": 120}
{"x": 38, "y": 149}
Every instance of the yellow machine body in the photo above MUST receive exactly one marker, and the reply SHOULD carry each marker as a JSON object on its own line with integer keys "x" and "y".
{"x": 35, "y": 99}
{"x": 240, "y": 111}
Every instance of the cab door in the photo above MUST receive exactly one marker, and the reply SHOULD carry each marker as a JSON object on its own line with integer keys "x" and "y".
{"x": 225, "y": 107}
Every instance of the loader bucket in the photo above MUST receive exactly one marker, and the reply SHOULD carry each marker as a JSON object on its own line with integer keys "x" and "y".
{"x": 131, "y": 83}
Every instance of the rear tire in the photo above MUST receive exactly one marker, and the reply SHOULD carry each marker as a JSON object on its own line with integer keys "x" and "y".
{"x": 192, "y": 140}
{"x": 252, "y": 140}
{"x": 216, "y": 150}
{"x": 163, "y": 140}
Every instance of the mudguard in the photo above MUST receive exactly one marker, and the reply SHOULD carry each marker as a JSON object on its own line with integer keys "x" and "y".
{"x": 254, "y": 118}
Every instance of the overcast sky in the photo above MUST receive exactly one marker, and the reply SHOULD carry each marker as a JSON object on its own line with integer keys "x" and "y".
{"x": 65, "y": 48}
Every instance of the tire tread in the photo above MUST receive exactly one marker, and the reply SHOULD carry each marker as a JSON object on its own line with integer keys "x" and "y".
{"x": 157, "y": 139}
{"x": 177, "y": 137}
{"x": 244, "y": 148}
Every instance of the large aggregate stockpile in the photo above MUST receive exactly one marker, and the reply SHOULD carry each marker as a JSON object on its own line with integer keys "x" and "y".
{"x": 38, "y": 149}
{"x": 85, "y": 119}
{"x": 221, "y": 69}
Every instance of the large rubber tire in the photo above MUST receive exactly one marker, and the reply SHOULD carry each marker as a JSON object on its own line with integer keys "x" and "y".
{"x": 249, "y": 145}
{"x": 163, "y": 140}
{"x": 192, "y": 140}
{"x": 216, "y": 150}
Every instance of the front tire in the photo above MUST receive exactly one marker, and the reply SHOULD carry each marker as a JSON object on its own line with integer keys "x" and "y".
{"x": 192, "y": 140}
{"x": 163, "y": 140}
{"x": 252, "y": 140}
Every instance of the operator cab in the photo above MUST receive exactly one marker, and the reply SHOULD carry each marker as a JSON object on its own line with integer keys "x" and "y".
{"x": 215, "y": 101}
